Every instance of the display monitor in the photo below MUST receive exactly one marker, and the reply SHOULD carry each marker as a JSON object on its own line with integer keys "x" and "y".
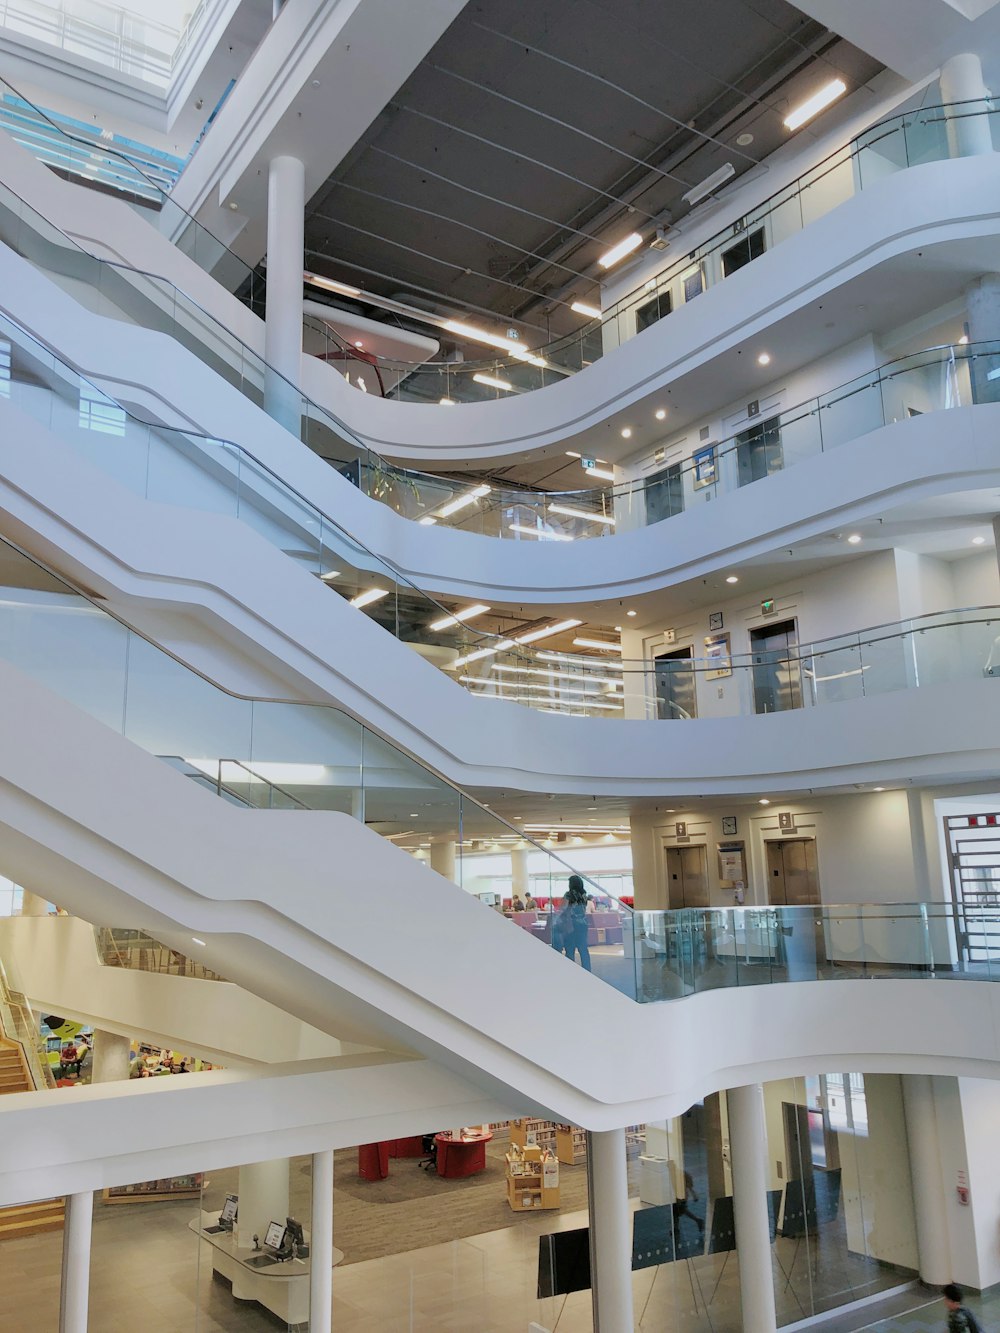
{"x": 274, "y": 1236}
{"x": 563, "y": 1262}
{"x": 294, "y": 1233}
{"x": 230, "y": 1208}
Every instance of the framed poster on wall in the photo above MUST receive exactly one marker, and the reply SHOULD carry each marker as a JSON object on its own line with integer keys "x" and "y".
{"x": 719, "y": 662}
{"x": 705, "y": 466}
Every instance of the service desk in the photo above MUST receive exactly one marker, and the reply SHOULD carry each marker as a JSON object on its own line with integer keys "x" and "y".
{"x": 281, "y": 1288}
{"x": 461, "y": 1157}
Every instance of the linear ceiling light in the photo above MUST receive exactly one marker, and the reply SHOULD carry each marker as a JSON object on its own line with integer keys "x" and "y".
{"x": 599, "y": 473}
{"x": 492, "y": 340}
{"x": 558, "y": 675}
{"x": 581, "y": 513}
{"x": 446, "y": 402}
{"x": 534, "y": 635}
{"x": 605, "y": 644}
{"x": 427, "y": 521}
{"x": 539, "y": 533}
{"x": 617, "y": 252}
{"x": 478, "y": 609}
{"x": 330, "y": 575}
{"x": 577, "y": 660}
{"x": 815, "y": 104}
{"x": 493, "y": 382}
{"x": 470, "y": 497}
{"x": 368, "y": 596}
{"x": 711, "y": 183}
{"x": 331, "y": 284}
{"x": 582, "y": 308}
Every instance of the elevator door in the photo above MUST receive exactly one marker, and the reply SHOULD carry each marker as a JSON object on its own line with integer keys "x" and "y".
{"x": 777, "y": 680}
{"x": 758, "y": 451}
{"x": 687, "y": 877}
{"x": 791, "y": 873}
{"x": 675, "y": 693}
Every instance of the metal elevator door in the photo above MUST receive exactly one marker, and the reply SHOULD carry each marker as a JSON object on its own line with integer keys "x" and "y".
{"x": 792, "y": 877}
{"x": 687, "y": 877}
{"x": 675, "y": 685}
{"x": 777, "y": 677}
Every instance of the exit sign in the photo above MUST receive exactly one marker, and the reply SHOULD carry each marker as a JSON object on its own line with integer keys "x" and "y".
{"x": 767, "y": 608}
{"x": 588, "y": 463}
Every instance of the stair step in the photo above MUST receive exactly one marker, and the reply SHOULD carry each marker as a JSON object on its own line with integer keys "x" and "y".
{"x": 31, "y": 1219}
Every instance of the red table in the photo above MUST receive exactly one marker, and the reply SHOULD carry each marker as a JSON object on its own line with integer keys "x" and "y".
{"x": 373, "y": 1161}
{"x": 410, "y": 1147}
{"x": 461, "y": 1157}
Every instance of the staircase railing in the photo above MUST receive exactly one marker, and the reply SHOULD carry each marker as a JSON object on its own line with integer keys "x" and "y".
{"x": 19, "y": 1026}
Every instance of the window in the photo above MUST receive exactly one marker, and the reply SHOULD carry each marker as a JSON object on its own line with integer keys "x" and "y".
{"x": 694, "y": 284}
{"x": 99, "y": 413}
{"x": 740, "y": 254}
{"x": 651, "y": 311}
{"x": 664, "y": 493}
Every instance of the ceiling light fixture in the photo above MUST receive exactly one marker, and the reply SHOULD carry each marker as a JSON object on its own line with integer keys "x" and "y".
{"x": 815, "y": 104}
{"x": 478, "y": 609}
{"x": 709, "y": 184}
{"x": 581, "y": 513}
{"x": 480, "y": 653}
{"x": 541, "y": 533}
{"x": 764, "y": 359}
{"x": 605, "y": 645}
{"x": 446, "y": 402}
{"x": 732, "y": 578}
{"x": 582, "y": 308}
{"x": 878, "y": 789}
{"x": 854, "y": 539}
{"x": 626, "y": 432}
{"x": 763, "y": 801}
{"x": 631, "y": 613}
{"x": 534, "y": 635}
{"x": 198, "y": 941}
{"x": 979, "y": 541}
{"x": 571, "y": 454}
{"x": 964, "y": 340}
{"x": 660, "y": 413}
{"x": 618, "y": 252}
{"x": 659, "y": 241}
{"x": 330, "y": 575}
{"x": 462, "y": 501}
{"x": 427, "y": 521}
{"x": 493, "y": 383}
{"x": 368, "y": 596}
{"x": 599, "y": 473}
{"x": 492, "y": 340}
{"x": 331, "y": 285}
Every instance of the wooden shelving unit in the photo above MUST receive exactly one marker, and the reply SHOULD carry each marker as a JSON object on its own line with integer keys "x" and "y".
{"x": 156, "y": 1191}
{"x": 571, "y": 1144}
{"x": 540, "y": 1132}
{"x": 532, "y": 1179}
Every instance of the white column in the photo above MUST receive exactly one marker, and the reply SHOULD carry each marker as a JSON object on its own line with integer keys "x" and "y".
{"x": 443, "y": 859}
{"x": 930, "y": 1212}
{"x": 358, "y": 804}
{"x": 610, "y": 1232}
{"x": 961, "y": 80}
{"x": 32, "y": 904}
{"x": 286, "y": 184}
{"x": 110, "y": 1060}
{"x": 748, "y": 1149}
{"x": 263, "y": 1198}
{"x": 321, "y": 1244}
{"x": 519, "y": 872}
{"x": 75, "y": 1291}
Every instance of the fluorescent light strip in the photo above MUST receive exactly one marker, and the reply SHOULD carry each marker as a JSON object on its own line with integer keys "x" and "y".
{"x": 559, "y": 675}
{"x": 582, "y": 513}
{"x": 427, "y": 521}
{"x": 815, "y": 104}
{"x": 526, "y": 689}
{"x": 577, "y": 828}
{"x": 577, "y": 660}
{"x": 493, "y": 382}
{"x": 478, "y": 609}
{"x": 582, "y": 308}
{"x": 710, "y": 183}
{"x": 330, "y": 575}
{"x": 331, "y": 285}
{"x": 534, "y": 635}
{"x": 618, "y": 252}
{"x": 604, "y": 644}
{"x": 492, "y": 340}
{"x": 368, "y": 596}
{"x": 479, "y": 653}
{"x": 598, "y": 472}
{"x": 542, "y": 535}
{"x": 470, "y": 497}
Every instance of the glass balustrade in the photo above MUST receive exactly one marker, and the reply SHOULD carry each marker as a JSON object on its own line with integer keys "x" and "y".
{"x": 196, "y": 472}
{"x": 270, "y": 755}
{"x": 931, "y": 380}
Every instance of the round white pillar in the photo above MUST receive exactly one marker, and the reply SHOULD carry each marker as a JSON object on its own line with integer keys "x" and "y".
{"x": 443, "y": 859}
{"x": 519, "y": 872}
{"x": 110, "y": 1060}
{"x": 32, "y": 904}
{"x": 748, "y": 1155}
{"x": 321, "y": 1244}
{"x": 930, "y": 1212}
{"x": 286, "y": 203}
{"x": 610, "y": 1232}
{"x": 263, "y": 1198}
{"x": 961, "y": 80}
{"x": 75, "y": 1291}
{"x": 358, "y": 804}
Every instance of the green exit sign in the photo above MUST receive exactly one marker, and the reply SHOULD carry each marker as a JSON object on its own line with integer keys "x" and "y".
{"x": 767, "y": 608}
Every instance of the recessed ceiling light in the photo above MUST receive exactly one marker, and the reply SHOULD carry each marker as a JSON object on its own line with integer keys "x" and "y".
{"x": 764, "y": 359}
{"x": 582, "y": 308}
{"x": 964, "y": 340}
{"x": 233, "y": 205}
{"x": 763, "y": 801}
{"x": 198, "y": 941}
{"x": 368, "y": 596}
{"x": 979, "y": 541}
{"x": 626, "y": 432}
{"x": 660, "y": 413}
{"x": 815, "y": 104}
{"x": 733, "y": 578}
{"x": 878, "y": 789}
{"x": 571, "y": 454}
{"x": 618, "y": 629}
{"x": 414, "y": 815}
{"x": 618, "y": 252}
{"x": 447, "y": 402}
{"x": 744, "y": 139}
{"x": 631, "y": 613}
{"x": 359, "y": 343}
{"x": 854, "y": 538}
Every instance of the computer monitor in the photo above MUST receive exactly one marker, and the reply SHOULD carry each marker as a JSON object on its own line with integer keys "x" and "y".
{"x": 274, "y": 1237}
{"x": 294, "y": 1233}
{"x": 230, "y": 1208}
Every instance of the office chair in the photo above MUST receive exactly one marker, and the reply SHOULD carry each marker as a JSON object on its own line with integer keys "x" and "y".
{"x": 429, "y": 1147}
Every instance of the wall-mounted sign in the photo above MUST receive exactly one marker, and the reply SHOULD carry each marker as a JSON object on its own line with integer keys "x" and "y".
{"x": 718, "y": 658}
{"x": 706, "y": 467}
{"x": 753, "y": 408}
{"x": 786, "y": 820}
{"x": 680, "y": 829}
{"x": 669, "y": 636}
{"x": 588, "y": 463}
{"x": 767, "y": 607}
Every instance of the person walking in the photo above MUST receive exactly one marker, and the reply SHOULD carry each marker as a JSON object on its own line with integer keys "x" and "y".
{"x": 576, "y": 929}
{"x": 960, "y": 1319}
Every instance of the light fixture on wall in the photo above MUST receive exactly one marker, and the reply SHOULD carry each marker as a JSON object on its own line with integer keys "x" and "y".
{"x": 812, "y": 106}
